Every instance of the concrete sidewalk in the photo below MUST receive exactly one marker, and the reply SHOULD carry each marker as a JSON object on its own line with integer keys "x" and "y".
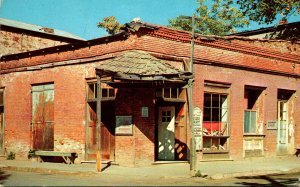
{"x": 213, "y": 169}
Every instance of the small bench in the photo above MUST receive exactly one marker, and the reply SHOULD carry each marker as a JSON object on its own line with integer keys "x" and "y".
{"x": 68, "y": 157}
{"x": 297, "y": 151}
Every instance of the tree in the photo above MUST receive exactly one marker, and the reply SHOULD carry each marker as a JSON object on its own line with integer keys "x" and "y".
{"x": 219, "y": 18}
{"x": 265, "y": 11}
{"x": 110, "y": 24}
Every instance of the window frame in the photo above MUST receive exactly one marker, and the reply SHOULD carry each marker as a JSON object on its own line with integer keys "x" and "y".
{"x": 92, "y": 92}
{"x": 221, "y": 140}
{"x": 220, "y": 110}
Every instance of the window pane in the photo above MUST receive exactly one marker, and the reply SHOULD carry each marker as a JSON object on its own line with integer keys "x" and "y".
{"x": 223, "y": 115}
{"x": 215, "y": 114}
{"x": 92, "y": 91}
{"x": 167, "y": 93}
{"x": 253, "y": 122}
{"x": 207, "y": 100}
{"x": 283, "y": 125}
{"x": 224, "y": 131}
{"x": 104, "y": 92}
{"x": 247, "y": 122}
{"x": 284, "y": 115}
{"x": 207, "y": 114}
{"x": 111, "y": 92}
{"x": 168, "y": 113}
{"x": 250, "y": 122}
{"x": 282, "y": 135}
{"x": 215, "y": 100}
{"x": 206, "y": 142}
{"x": 174, "y": 92}
{"x": 223, "y": 100}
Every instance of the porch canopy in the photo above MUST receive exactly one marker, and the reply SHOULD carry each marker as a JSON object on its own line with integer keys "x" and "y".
{"x": 138, "y": 67}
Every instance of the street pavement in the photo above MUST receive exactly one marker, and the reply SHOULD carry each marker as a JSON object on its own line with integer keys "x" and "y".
{"x": 209, "y": 170}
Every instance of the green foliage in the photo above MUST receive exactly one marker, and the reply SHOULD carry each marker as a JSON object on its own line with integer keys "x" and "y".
{"x": 110, "y": 24}
{"x": 265, "y": 11}
{"x": 219, "y": 18}
{"x": 11, "y": 156}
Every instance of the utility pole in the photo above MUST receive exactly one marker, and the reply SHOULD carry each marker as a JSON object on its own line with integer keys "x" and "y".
{"x": 193, "y": 158}
{"x": 98, "y": 127}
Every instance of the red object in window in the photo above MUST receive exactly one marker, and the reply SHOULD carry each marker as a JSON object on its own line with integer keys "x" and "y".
{"x": 209, "y": 126}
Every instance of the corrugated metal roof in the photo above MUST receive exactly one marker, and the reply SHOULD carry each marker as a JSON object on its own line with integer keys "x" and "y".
{"x": 37, "y": 28}
{"x": 140, "y": 63}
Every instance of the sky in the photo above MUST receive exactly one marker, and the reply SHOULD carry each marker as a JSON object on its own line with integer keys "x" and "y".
{"x": 80, "y": 17}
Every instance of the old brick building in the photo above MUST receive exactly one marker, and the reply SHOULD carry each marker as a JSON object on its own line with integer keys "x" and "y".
{"x": 19, "y": 37}
{"x": 247, "y": 93}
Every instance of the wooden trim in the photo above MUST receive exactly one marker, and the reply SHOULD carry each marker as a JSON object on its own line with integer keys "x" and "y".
{"x": 216, "y": 87}
{"x": 215, "y": 151}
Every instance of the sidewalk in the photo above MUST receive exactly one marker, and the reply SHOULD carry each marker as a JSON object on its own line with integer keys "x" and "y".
{"x": 213, "y": 169}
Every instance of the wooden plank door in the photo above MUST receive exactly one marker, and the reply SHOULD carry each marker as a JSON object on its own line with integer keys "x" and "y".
{"x": 43, "y": 117}
{"x": 91, "y": 136}
{"x": 107, "y": 131}
{"x": 166, "y": 135}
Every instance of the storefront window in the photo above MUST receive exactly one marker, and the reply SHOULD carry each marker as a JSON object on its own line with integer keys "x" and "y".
{"x": 215, "y": 121}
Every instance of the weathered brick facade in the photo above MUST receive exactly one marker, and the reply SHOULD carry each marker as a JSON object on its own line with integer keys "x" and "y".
{"x": 18, "y": 37}
{"x": 15, "y": 42}
{"x": 235, "y": 62}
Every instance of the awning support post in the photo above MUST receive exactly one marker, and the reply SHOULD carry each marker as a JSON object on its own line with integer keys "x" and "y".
{"x": 98, "y": 130}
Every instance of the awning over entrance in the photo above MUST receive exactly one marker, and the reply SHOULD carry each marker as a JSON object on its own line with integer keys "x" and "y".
{"x": 136, "y": 65}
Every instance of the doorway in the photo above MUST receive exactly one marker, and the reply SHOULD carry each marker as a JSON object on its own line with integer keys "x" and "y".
{"x": 166, "y": 133}
{"x": 282, "y": 136}
{"x": 284, "y": 120}
{"x": 107, "y": 131}
{"x": 43, "y": 117}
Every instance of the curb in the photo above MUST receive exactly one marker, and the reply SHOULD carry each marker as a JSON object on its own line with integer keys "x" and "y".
{"x": 49, "y": 171}
{"x": 219, "y": 176}
{"x": 216, "y": 176}
{"x": 78, "y": 173}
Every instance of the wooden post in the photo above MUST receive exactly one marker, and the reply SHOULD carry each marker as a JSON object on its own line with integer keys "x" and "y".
{"x": 193, "y": 160}
{"x": 98, "y": 131}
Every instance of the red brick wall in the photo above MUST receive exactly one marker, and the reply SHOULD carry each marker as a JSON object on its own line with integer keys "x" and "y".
{"x": 297, "y": 119}
{"x": 270, "y": 115}
{"x": 137, "y": 149}
{"x": 238, "y": 80}
{"x": 214, "y": 55}
{"x": 69, "y": 108}
{"x": 278, "y": 45}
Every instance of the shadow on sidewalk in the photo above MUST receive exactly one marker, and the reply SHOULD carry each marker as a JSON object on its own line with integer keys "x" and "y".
{"x": 268, "y": 180}
{"x": 107, "y": 166}
{"x": 3, "y": 176}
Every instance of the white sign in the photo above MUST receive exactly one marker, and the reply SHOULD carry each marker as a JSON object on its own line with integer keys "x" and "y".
{"x": 145, "y": 112}
{"x": 197, "y": 119}
{"x": 124, "y": 125}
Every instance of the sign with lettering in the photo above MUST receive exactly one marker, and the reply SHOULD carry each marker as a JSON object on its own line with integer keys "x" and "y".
{"x": 197, "y": 119}
{"x": 271, "y": 125}
{"x": 124, "y": 125}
